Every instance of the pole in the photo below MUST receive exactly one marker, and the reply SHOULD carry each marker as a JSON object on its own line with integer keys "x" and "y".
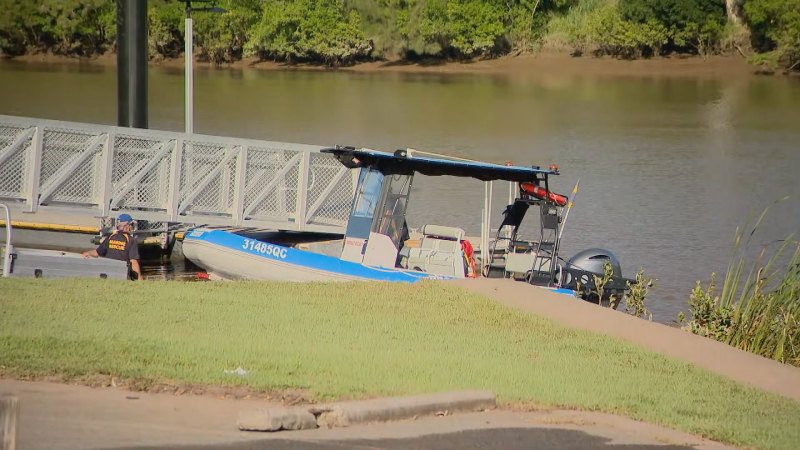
{"x": 189, "y": 79}
{"x": 9, "y": 410}
{"x": 570, "y": 201}
{"x": 9, "y": 247}
{"x": 132, "y": 63}
{"x": 486, "y": 224}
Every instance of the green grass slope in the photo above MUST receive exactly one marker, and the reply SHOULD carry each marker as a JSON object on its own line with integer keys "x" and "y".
{"x": 357, "y": 340}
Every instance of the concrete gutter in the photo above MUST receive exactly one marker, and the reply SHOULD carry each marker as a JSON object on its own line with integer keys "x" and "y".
{"x": 342, "y": 414}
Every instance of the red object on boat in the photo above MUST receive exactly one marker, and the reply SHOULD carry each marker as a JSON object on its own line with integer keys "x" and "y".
{"x": 202, "y": 276}
{"x": 469, "y": 258}
{"x": 542, "y": 193}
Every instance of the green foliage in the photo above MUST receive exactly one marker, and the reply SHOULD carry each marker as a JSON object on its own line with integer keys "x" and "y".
{"x": 571, "y": 30}
{"x": 637, "y": 295}
{"x": 165, "y": 28}
{"x": 362, "y": 340}
{"x": 636, "y": 28}
{"x": 467, "y": 27}
{"x": 338, "y": 32}
{"x": 303, "y": 30}
{"x": 775, "y": 27}
{"x": 64, "y": 27}
{"x": 616, "y": 36}
{"x": 600, "y": 283}
{"x": 221, "y": 37}
{"x": 694, "y": 25}
{"x": 395, "y": 27}
{"x": 709, "y": 318}
{"x": 758, "y": 310}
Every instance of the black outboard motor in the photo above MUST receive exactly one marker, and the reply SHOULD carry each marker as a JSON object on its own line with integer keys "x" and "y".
{"x": 580, "y": 270}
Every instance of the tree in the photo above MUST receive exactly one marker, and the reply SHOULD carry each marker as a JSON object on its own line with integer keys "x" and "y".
{"x": 221, "y": 37}
{"x": 775, "y": 26}
{"x": 694, "y": 25}
{"x": 309, "y": 30}
{"x": 465, "y": 28}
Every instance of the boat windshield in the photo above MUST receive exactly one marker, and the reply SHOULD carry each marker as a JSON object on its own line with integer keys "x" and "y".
{"x": 394, "y": 202}
{"x": 370, "y": 184}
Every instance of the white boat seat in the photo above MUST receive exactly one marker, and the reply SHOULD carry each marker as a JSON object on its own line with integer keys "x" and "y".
{"x": 439, "y": 251}
{"x": 441, "y": 231}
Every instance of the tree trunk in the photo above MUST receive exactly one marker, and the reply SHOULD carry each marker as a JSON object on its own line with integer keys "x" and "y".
{"x": 734, "y": 10}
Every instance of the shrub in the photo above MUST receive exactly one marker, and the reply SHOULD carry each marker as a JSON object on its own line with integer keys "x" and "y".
{"x": 615, "y": 36}
{"x": 308, "y": 30}
{"x": 692, "y": 25}
{"x": 64, "y": 27}
{"x": 221, "y": 37}
{"x": 775, "y": 27}
{"x": 165, "y": 29}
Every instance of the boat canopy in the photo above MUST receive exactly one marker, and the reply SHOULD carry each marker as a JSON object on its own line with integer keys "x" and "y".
{"x": 405, "y": 162}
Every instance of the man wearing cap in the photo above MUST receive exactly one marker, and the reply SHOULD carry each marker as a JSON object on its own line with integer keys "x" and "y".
{"x": 120, "y": 246}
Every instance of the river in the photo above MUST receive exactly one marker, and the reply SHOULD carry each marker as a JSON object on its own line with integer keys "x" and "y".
{"x": 669, "y": 166}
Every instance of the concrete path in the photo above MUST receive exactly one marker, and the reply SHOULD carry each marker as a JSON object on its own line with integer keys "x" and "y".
{"x": 715, "y": 356}
{"x": 65, "y": 417}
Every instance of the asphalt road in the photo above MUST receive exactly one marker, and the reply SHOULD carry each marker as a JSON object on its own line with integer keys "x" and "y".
{"x": 503, "y": 438}
{"x": 56, "y": 416}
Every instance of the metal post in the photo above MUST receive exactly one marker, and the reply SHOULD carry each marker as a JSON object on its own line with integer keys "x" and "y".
{"x": 104, "y": 186}
{"x": 34, "y": 170}
{"x": 174, "y": 187}
{"x": 486, "y": 227}
{"x": 302, "y": 191}
{"x": 9, "y": 410}
{"x": 189, "y": 79}
{"x": 132, "y": 63}
{"x": 7, "y": 256}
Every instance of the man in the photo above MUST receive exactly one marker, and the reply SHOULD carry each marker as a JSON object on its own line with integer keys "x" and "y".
{"x": 120, "y": 246}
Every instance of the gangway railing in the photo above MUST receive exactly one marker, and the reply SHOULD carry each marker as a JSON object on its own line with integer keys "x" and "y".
{"x": 68, "y": 172}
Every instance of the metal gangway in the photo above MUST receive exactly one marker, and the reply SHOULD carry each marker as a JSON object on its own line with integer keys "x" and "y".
{"x": 72, "y": 174}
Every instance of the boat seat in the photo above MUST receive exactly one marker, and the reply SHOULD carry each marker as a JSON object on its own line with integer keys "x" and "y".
{"x": 439, "y": 251}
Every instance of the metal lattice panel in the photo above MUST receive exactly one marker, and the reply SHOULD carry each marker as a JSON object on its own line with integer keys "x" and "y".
{"x": 143, "y": 164}
{"x": 13, "y": 164}
{"x": 79, "y": 186}
{"x": 330, "y": 191}
{"x": 208, "y": 177}
{"x": 61, "y": 148}
{"x": 271, "y": 182}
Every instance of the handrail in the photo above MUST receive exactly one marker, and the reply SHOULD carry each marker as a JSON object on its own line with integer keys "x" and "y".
{"x": 81, "y": 172}
{"x": 9, "y": 247}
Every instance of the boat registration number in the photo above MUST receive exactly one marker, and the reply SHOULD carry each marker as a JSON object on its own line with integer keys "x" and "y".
{"x": 264, "y": 248}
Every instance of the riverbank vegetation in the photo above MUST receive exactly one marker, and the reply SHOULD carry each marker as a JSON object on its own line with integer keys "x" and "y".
{"x": 359, "y": 340}
{"x": 758, "y": 308}
{"x": 341, "y": 32}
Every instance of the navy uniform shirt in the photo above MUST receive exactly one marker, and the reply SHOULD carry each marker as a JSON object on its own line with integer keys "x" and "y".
{"x": 120, "y": 246}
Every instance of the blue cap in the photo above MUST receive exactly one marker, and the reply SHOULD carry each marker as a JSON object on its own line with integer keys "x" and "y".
{"x": 124, "y": 218}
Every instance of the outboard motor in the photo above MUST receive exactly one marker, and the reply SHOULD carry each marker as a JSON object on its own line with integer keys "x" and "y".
{"x": 579, "y": 272}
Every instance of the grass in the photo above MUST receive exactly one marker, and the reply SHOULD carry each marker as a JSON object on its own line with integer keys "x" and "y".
{"x": 360, "y": 340}
{"x": 758, "y": 310}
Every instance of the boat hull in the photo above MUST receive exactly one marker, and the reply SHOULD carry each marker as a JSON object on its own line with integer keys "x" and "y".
{"x": 235, "y": 257}
{"x": 38, "y": 263}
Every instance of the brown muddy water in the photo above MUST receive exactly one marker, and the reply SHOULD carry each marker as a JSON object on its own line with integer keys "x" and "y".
{"x": 668, "y": 166}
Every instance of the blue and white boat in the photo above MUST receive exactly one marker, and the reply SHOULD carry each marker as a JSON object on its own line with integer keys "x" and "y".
{"x": 376, "y": 244}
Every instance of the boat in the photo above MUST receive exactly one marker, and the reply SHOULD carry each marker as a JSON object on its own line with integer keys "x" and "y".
{"x": 378, "y": 245}
{"x": 40, "y": 263}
